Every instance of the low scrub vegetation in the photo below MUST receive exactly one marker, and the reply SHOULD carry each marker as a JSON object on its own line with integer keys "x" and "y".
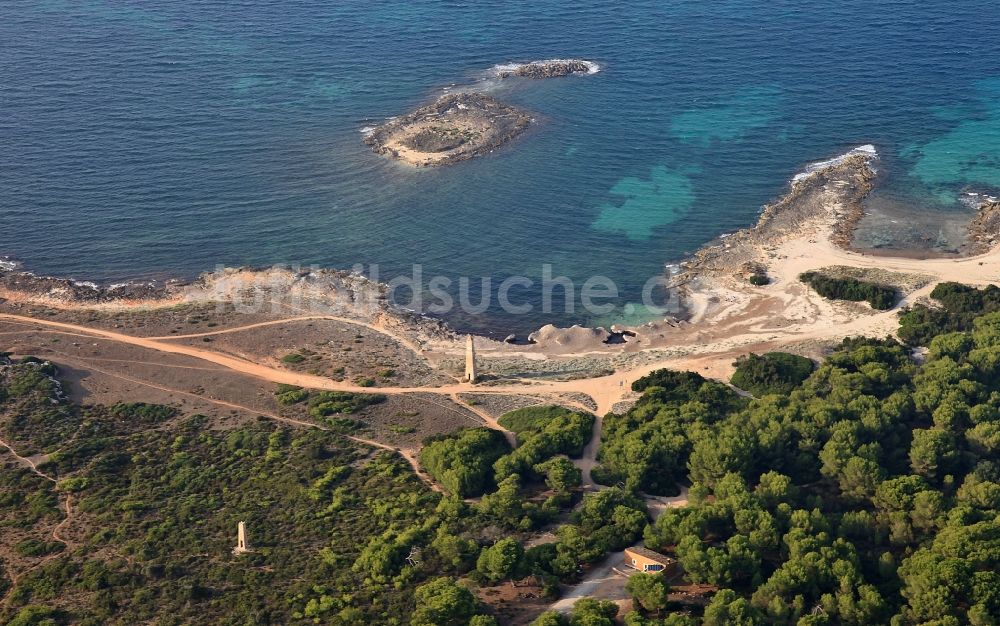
{"x": 878, "y": 296}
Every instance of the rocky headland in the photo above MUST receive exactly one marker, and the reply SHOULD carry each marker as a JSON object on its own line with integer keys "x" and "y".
{"x": 830, "y": 197}
{"x": 454, "y": 128}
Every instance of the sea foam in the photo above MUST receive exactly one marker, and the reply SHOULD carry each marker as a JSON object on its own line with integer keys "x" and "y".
{"x": 867, "y": 149}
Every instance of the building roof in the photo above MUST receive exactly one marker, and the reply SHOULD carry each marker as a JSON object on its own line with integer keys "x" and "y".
{"x": 646, "y": 553}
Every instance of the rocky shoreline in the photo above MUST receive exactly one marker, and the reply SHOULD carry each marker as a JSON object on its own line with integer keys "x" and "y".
{"x": 13, "y": 280}
{"x": 826, "y": 200}
{"x": 842, "y": 185}
{"x": 984, "y": 229}
{"x": 268, "y": 290}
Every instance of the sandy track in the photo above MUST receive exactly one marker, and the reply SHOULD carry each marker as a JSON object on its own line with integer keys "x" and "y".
{"x": 67, "y": 505}
{"x": 277, "y": 375}
{"x": 742, "y": 320}
{"x": 409, "y": 345}
{"x": 26, "y": 461}
{"x": 488, "y": 419}
{"x": 408, "y": 454}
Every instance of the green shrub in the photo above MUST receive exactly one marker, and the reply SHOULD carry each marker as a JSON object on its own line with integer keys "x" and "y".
{"x": 143, "y": 412}
{"x": 879, "y": 297}
{"x": 326, "y": 403}
{"x": 73, "y": 484}
{"x": 290, "y": 394}
{"x": 23, "y": 381}
{"x": 34, "y": 547}
{"x": 532, "y": 418}
{"x": 543, "y": 432}
{"x": 36, "y": 616}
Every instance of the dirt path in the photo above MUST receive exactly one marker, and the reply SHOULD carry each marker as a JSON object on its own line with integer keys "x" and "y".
{"x": 26, "y": 461}
{"x": 276, "y": 375}
{"x": 406, "y": 453}
{"x": 588, "y": 460}
{"x": 730, "y": 329}
{"x": 713, "y": 357}
{"x": 67, "y": 506}
{"x": 489, "y": 420}
{"x": 658, "y": 504}
{"x": 409, "y": 345}
{"x": 600, "y": 582}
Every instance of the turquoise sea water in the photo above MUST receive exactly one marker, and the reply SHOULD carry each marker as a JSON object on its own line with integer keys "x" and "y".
{"x": 161, "y": 139}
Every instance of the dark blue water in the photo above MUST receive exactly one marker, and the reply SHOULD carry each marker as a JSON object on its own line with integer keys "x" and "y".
{"x": 143, "y": 139}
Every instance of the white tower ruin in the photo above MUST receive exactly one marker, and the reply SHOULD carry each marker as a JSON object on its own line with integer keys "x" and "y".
{"x": 241, "y": 539}
{"x": 470, "y": 361}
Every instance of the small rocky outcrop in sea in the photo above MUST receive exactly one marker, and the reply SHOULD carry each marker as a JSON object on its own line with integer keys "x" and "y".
{"x": 547, "y": 69}
{"x": 455, "y": 127}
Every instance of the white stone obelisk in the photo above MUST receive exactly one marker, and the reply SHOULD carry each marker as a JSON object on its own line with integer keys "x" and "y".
{"x": 241, "y": 539}
{"x": 470, "y": 361}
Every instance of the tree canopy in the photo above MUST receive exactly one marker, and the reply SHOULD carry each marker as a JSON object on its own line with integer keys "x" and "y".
{"x": 774, "y": 372}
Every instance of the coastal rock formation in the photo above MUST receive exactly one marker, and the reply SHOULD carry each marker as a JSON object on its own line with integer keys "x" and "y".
{"x": 547, "y": 69}
{"x": 984, "y": 229}
{"x": 266, "y": 290}
{"x": 832, "y": 194}
{"x": 569, "y": 339}
{"x": 71, "y": 291}
{"x": 455, "y": 127}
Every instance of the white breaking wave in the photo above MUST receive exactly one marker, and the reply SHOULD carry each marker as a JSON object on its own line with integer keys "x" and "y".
{"x": 8, "y": 265}
{"x": 867, "y": 149}
{"x": 975, "y": 200}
